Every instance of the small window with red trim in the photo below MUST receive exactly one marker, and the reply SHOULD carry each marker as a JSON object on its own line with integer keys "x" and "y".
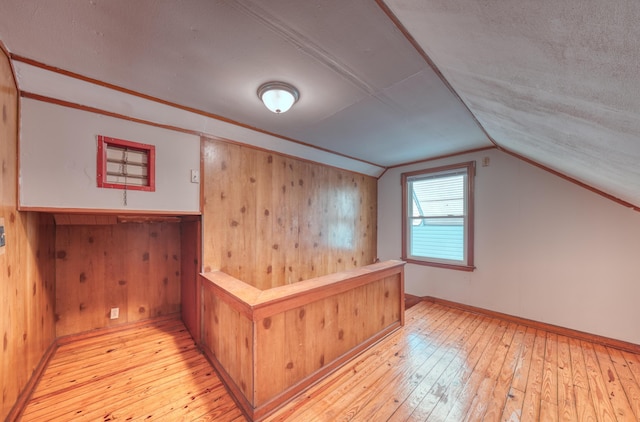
{"x": 125, "y": 164}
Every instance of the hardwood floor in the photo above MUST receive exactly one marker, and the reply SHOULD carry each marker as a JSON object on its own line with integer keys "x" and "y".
{"x": 453, "y": 365}
{"x": 446, "y": 364}
{"x": 152, "y": 372}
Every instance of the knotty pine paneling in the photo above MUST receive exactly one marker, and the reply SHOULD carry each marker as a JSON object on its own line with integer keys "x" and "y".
{"x": 270, "y": 345}
{"x": 133, "y": 266}
{"x": 298, "y": 342}
{"x": 272, "y": 220}
{"x": 27, "y": 267}
{"x": 229, "y": 336}
{"x": 190, "y": 235}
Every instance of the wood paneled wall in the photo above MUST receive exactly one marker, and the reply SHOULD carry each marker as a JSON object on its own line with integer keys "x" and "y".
{"x": 228, "y": 334}
{"x": 132, "y": 266}
{"x": 298, "y": 342}
{"x": 27, "y": 266}
{"x": 270, "y": 345}
{"x": 190, "y": 254}
{"x": 271, "y": 220}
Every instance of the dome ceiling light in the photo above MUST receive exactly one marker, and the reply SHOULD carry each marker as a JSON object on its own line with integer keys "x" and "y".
{"x": 278, "y": 96}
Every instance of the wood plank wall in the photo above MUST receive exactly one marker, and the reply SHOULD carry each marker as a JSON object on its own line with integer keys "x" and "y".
{"x": 132, "y": 266}
{"x": 271, "y": 220}
{"x": 27, "y": 264}
{"x": 272, "y": 344}
{"x": 229, "y": 335}
{"x": 190, "y": 247}
{"x": 298, "y": 342}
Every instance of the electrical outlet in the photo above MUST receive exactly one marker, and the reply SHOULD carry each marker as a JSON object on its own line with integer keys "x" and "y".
{"x": 115, "y": 313}
{"x": 195, "y": 176}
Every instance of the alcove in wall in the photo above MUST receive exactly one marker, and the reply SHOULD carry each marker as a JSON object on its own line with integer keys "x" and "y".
{"x": 145, "y": 266}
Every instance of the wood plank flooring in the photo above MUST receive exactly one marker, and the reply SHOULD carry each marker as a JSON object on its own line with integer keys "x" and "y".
{"x": 451, "y": 365}
{"x": 151, "y": 372}
{"x": 444, "y": 365}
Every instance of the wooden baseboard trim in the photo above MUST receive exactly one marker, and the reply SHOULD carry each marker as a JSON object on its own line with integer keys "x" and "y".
{"x": 25, "y": 395}
{"x": 264, "y": 410}
{"x": 23, "y": 398}
{"x": 410, "y": 300}
{"x": 123, "y": 327}
{"x": 233, "y": 390}
{"x": 556, "y": 329}
{"x": 28, "y": 390}
{"x": 303, "y": 385}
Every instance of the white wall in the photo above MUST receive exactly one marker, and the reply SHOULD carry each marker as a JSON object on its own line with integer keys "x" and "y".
{"x": 58, "y": 159}
{"x": 545, "y": 249}
{"x": 63, "y": 87}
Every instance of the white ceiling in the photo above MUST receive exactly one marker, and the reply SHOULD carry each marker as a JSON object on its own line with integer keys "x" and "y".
{"x": 556, "y": 82}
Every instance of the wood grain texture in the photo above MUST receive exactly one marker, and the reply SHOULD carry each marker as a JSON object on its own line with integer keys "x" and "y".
{"x": 27, "y": 265}
{"x": 451, "y": 364}
{"x": 300, "y": 341}
{"x": 190, "y": 267}
{"x": 135, "y": 267}
{"x": 562, "y": 331}
{"x": 272, "y": 220}
{"x": 271, "y": 345}
{"x": 228, "y": 335}
{"x": 444, "y": 364}
{"x": 148, "y": 372}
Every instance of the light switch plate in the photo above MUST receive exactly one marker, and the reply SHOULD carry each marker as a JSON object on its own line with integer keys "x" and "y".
{"x": 195, "y": 176}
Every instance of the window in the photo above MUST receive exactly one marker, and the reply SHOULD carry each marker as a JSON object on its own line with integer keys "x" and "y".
{"x": 437, "y": 214}
{"x": 125, "y": 164}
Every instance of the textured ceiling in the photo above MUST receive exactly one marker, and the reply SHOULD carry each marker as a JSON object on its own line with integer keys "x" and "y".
{"x": 365, "y": 91}
{"x": 556, "y": 82}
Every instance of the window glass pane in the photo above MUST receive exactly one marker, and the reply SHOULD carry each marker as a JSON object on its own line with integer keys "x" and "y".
{"x": 437, "y": 220}
{"x": 440, "y": 196}
{"x": 440, "y": 238}
{"x": 438, "y": 216}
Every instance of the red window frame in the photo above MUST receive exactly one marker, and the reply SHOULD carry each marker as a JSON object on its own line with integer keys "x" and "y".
{"x": 103, "y": 142}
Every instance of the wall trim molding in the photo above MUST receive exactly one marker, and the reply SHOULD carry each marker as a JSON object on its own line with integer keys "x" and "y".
{"x": 266, "y": 409}
{"x": 191, "y": 110}
{"x": 18, "y": 407}
{"x": 179, "y": 129}
{"x": 30, "y": 387}
{"x": 555, "y": 329}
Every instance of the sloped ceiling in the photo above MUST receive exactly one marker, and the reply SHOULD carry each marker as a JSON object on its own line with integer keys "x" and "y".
{"x": 555, "y": 82}
{"x": 365, "y": 91}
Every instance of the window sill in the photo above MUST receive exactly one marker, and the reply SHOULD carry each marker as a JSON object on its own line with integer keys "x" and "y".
{"x": 467, "y": 268}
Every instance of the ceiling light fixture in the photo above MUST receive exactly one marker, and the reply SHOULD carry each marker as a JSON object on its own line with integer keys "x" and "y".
{"x": 278, "y": 96}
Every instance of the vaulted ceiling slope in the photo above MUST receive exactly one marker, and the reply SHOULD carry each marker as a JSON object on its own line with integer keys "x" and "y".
{"x": 554, "y": 82}
{"x": 557, "y": 82}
